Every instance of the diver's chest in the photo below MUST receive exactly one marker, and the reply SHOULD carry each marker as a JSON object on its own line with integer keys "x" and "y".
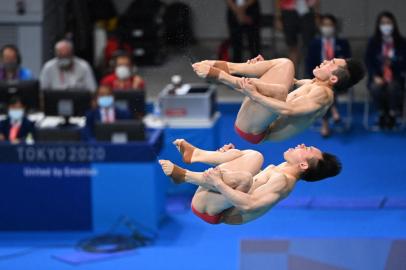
{"x": 297, "y": 95}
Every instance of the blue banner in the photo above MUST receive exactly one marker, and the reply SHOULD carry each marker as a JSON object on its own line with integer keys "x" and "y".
{"x": 145, "y": 151}
{"x": 45, "y": 197}
{"x": 65, "y": 186}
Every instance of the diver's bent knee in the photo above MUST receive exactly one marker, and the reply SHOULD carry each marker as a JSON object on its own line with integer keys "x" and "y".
{"x": 254, "y": 154}
{"x": 286, "y": 62}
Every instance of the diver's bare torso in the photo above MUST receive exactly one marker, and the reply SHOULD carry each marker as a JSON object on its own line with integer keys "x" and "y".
{"x": 255, "y": 119}
{"x": 287, "y": 126}
{"x": 234, "y": 216}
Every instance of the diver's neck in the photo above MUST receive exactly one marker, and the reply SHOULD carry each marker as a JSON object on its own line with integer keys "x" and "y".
{"x": 291, "y": 171}
{"x": 319, "y": 82}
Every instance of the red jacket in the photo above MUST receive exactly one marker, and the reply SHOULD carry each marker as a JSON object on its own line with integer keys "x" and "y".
{"x": 113, "y": 82}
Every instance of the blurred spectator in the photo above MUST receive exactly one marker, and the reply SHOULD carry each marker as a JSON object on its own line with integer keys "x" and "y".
{"x": 104, "y": 111}
{"x": 327, "y": 47}
{"x": 10, "y": 68}
{"x": 386, "y": 62}
{"x": 66, "y": 71}
{"x": 296, "y": 17}
{"x": 123, "y": 77}
{"x": 243, "y": 17}
{"x": 16, "y": 127}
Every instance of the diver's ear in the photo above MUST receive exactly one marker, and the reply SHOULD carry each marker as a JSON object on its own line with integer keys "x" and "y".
{"x": 333, "y": 79}
{"x": 303, "y": 165}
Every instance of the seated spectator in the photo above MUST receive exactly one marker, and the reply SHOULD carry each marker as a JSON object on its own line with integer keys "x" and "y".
{"x": 123, "y": 77}
{"x": 10, "y": 68}
{"x": 386, "y": 62}
{"x": 104, "y": 111}
{"x": 326, "y": 47}
{"x": 16, "y": 127}
{"x": 67, "y": 71}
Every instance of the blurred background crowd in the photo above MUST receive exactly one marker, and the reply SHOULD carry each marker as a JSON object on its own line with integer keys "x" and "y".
{"x": 103, "y": 47}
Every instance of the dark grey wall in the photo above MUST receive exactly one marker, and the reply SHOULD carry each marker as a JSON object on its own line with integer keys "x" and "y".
{"x": 25, "y": 31}
{"x": 358, "y": 16}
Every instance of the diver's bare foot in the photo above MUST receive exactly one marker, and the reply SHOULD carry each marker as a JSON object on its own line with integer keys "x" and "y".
{"x": 257, "y": 59}
{"x": 226, "y": 147}
{"x": 185, "y": 149}
{"x": 208, "y": 62}
{"x": 176, "y": 173}
{"x": 206, "y": 71}
{"x": 201, "y": 69}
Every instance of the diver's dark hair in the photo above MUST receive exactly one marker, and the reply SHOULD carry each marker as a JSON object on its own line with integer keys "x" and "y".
{"x": 356, "y": 70}
{"x": 343, "y": 76}
{"x": 349, "y": 75}
{"x": 328, "y": 166}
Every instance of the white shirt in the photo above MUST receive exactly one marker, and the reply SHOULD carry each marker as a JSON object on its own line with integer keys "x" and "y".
{"x": 79, "y": 76}
{"x": 107, "y": 113}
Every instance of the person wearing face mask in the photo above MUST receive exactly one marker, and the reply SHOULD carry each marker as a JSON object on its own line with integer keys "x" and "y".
{"x": 104, "y": 111}
{"x": 385, "y": 59}
{"x": 10, "y": 69}
{"x": 66, "y": 71}
{"x": 327, "y": 46}
{"x": 123, "y": 77}
{"x": 16, "y": 127}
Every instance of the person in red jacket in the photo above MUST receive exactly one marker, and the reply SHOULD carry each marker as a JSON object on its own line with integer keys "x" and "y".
{"x": 123, "y": 77}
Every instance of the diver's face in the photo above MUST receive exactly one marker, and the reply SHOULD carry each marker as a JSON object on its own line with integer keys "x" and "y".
{"x": 302, "y": 154}
{"x": 325, "y": 70}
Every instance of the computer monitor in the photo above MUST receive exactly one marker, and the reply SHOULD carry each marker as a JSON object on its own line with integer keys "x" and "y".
{"x": 131, "y": 100}
{"x": 122, "y": 131}
{"x": 66, "y": 103}
{"x": 56, "y": 134}
{"x": 27, "y": 91}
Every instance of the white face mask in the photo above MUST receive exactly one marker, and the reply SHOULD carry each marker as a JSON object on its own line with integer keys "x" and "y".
{"x": 386, "y": 29}
{"x": 123, "y": 72}
{"x": 16, "y": 114}
{"x": 327, "y": 31}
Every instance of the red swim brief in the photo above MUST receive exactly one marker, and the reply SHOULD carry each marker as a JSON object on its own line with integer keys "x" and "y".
{"x": 216, "y": 219}
{"x": 255, "y": 139}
